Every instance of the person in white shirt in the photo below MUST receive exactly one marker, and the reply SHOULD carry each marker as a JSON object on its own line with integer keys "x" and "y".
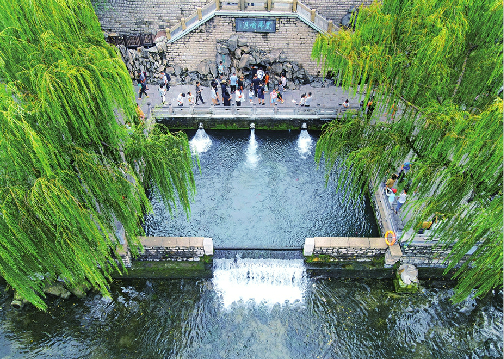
{"x": 401, "y": 200}
{"x": 308, "y": 100}
{"x": 180, "y": 99}
{"x": 239, "y": 97}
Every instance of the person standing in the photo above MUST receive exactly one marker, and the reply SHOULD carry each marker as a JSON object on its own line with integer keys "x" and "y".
{"x": 215, "y": 84}
{"x": 260, "y": 93}
{"x": 251, "y": 93}
{"x": 162, "y": 93}
{"x": 241, "y": 83}
{"x": 226, "y": 97}
{"x": 190, "y": 98}
{"x": 390, "y": 182}
{"x": 239, "y": 97}
{"x": 198, "y": 93}
{"x": 401, "y": 200}
{"x": 273, "y": 97}
{"x": 255, "y": 83}
{"x": 180, "y": 99}
{"x": 308, "y": 100}
{"x": 404, "y": 170}
{"x": 266, "y": 81}
{"x": 233, "y": 82}
{"x": 220, "y": 69}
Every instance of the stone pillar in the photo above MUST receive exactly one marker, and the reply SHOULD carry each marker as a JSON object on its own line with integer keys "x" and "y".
{"x": 242, "y": 5}
{"x": 217, "y": 5}
{"x": 269, "y": 6}
{"x": 294, "y": 5}
{"x": 329, "y": 26}
{"x": 200, "y": 15}
{"x": 182, "y": 22}
{"x": 309, "y": 246}
{"x": 313, "y": 13}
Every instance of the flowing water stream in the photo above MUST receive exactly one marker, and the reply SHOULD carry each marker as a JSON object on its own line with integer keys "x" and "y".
{"x": 258, "y": 190}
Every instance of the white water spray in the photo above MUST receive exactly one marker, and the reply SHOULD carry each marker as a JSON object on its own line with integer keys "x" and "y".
{"x": 252, "y": 156}
{"x": 267, "y": 281}
{"x": 305, "y": 143}
{"x": 200, "y": 142}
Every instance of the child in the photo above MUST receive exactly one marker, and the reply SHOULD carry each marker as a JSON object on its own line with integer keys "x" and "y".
{"x": 162, "y": 93}
{"x": 401, "y": 200}
{"x": 273, "y": 97}
{"x": 190, "y": 98}
{"x": 279, "y": 96}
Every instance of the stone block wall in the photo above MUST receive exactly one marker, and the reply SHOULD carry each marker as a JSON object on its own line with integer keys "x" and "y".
{"x": 334, "y": 10}
{"x": 425, "y": 254}
{"x": 143, "y": 16}
{"x": 151, "y": 16}
{"x": 179, "y": 249}
{"x": 346, "y": 248}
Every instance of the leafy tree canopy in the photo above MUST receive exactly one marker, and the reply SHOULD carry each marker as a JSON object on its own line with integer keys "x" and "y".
{"x": 434, "y": 68}
{"x": 69, "y": 171}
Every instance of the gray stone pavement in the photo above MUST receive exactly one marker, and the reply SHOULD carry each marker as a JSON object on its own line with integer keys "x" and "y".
{"x": 329, "y": 96}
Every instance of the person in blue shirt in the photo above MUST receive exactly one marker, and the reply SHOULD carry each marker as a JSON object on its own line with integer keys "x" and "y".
{"x": 233, "y": 81}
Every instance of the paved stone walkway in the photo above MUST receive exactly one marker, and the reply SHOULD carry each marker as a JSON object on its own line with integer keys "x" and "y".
{"x": 326, "y": 97}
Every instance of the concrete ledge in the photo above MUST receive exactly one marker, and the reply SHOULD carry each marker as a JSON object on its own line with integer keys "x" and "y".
{"x": 208, "y": 246}
{"x": 172, "y": 241}
{"x": 377, "y": 243}
{"x": 358, "y": 242}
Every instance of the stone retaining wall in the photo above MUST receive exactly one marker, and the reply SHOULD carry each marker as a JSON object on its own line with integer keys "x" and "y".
{"x": 180, "y": 249}
{"x": 350, "y": 248}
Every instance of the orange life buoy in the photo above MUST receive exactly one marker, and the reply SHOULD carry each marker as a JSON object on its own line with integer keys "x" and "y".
{"x": 393, "y": 238}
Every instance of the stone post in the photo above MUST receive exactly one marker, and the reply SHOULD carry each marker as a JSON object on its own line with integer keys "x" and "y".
{"x": 313, "y": 13}
{"x": 242, "y": 5}
{"x": 217, "y": 4}
{"x": 269, "y": 5}
{"x": 200, "y": 15}
{"x": 168, "y": 34}
{"x": 182, "y": 22}
{"x": 294, "y": 5}
{"x": 329, "y": 26}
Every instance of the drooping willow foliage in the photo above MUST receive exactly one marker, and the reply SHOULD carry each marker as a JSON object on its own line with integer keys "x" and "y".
{"x": 69, "y": 171}
{"x": 438, "y": 63}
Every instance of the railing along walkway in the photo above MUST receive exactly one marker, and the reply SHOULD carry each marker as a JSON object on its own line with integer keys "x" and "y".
{"x": 240, "y": 8}
{"x": 255, "y": 111}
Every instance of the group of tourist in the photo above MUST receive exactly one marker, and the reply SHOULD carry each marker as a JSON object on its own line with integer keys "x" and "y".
{"x": 224, "y": 89}
{"x": 391, "y": 192}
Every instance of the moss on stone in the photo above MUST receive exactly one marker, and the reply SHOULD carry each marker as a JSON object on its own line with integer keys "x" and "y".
{"x": 169, "y": 269}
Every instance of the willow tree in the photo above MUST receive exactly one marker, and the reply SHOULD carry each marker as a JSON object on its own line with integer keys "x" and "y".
{"x": 434, "y": 68}
{"x": 69, "y": 171}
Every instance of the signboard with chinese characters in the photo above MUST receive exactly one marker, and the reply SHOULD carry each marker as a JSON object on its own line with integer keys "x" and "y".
{"x": 255, "y": 24}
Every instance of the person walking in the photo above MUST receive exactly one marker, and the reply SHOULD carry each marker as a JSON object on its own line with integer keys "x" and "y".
{"x": 198, "y": 93}
{"x": 401, "y": 200}
{"x": 143, "y": 86}
{"x": 255, "y": 83}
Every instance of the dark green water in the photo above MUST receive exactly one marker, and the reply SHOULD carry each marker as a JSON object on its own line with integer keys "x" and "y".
{"x": 263, "y": 190}
{"x": 188, "y": 319}
{"x": 258, "y": 192}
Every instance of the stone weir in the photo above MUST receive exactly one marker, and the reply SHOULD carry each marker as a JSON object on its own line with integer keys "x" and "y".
{"x": 231, "y": 118}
